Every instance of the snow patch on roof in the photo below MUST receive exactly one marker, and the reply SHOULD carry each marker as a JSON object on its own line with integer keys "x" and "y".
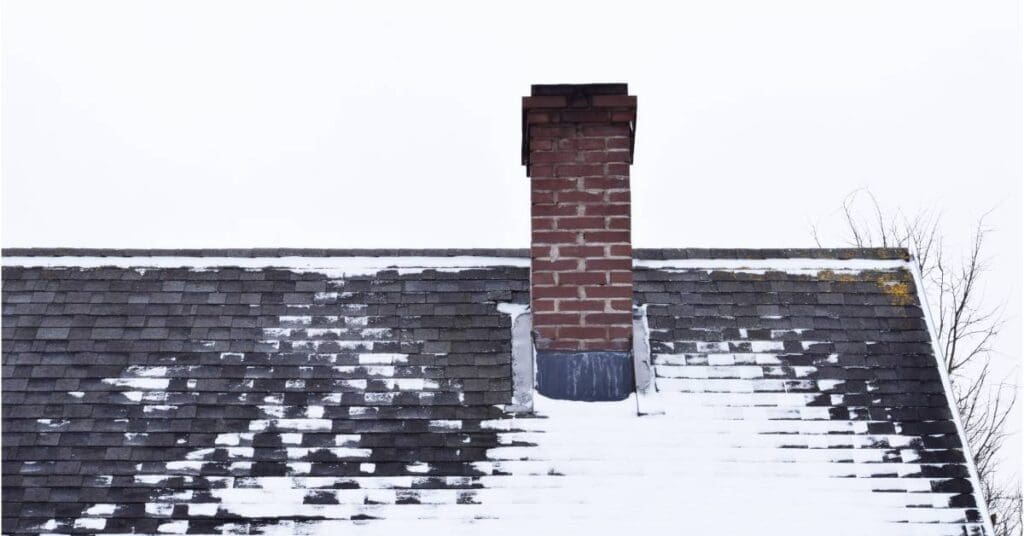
{"x": 732, "y": 476}
{"x": 353, "y": 266}
{"x": 330, "y": 266}
{"x": 759, "y": 266}
{"x": 138, "y": 383}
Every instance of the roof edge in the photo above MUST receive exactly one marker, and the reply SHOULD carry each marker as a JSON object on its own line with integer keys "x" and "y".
{"x": 249, "y": 253}
{"x": 772, "y": 253}
{"x": 947, "y": 387}
{"x": 639, "y": 253}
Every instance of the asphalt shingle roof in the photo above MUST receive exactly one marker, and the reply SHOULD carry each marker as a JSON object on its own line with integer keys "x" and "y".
{"x": 150, "y": 399}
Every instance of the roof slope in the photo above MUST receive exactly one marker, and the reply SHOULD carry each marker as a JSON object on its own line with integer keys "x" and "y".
{"x": 305, "y": 399}
{"x": 813, "y": 385}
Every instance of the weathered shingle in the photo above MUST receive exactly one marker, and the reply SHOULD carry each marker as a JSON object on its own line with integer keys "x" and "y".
{"x": 241, "y": 400}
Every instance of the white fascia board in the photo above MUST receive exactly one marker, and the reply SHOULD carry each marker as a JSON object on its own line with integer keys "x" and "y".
{"x": 947, "y": 386}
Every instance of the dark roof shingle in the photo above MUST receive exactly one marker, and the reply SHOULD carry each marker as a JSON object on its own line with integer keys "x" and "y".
{"x": 239, "y": 400}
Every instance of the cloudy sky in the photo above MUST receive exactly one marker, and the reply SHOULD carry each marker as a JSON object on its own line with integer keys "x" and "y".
{"x": 328, "y": 124}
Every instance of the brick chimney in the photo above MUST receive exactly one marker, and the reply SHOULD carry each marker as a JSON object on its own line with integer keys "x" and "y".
{"x": 578, "y": 146}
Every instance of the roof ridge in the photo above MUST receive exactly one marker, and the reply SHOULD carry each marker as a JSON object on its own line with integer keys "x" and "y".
{"x": 638, "y": 253}
{"x": 772, "y": 253}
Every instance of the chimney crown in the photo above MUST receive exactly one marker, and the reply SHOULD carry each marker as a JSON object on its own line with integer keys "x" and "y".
{"x": 573, "y": 104}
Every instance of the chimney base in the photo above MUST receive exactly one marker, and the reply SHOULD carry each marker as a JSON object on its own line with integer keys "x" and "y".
{"x": 589, "y": 376}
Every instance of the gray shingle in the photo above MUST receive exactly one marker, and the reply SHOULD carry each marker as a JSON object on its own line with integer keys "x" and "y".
{"x": 110, "y": 373}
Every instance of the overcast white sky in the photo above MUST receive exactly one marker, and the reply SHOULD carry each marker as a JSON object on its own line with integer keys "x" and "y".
{"x": 330, "y": 124}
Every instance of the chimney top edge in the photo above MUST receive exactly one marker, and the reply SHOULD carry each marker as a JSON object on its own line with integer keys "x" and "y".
{"x": 550, "y": 90}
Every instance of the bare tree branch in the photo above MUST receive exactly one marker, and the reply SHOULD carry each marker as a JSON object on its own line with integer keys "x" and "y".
{"x": 967, "y": 330}
{"x": 816, "y": 235}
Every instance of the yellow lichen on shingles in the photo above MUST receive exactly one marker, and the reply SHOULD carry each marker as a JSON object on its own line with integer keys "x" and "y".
{"x": 832, "y": 275}
{"x": 897, "y": 287}
{"x": 895, "y": 284}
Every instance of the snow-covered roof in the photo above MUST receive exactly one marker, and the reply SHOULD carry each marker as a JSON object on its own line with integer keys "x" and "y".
{"x": 288, "y": 392}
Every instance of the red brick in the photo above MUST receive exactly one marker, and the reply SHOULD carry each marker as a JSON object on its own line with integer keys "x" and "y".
{"x": 581, "y": 222}
{"x": 555, "y": 101}
{"x": 579, "y": 170}
{"x": 606, "y": 236}
{"x": 617, "y": 143}
{"x": 615, "y": 169}
{"x": 605, "y": 183}
{"x": 541, "y": 171}
{"x": 581, "y": 305}
{"x": 608, "y": 319}
{"x": 582, "y": 278}
{"x": 624, "y": 277}
{"x": 582, "y": 332}
{"x": 554, "y": 292}
{"x": 588, "y": 144}
{"x": 620, "y": 305}
{"x": 580, "y": 197}
{"x": 533, "y": 118}
{"x": 545, "y": 223}
{"x": 620, "y": 251}
{"x": 554, "y": 131}
{"x": 605, "y": 130}
{"x": 562, "y": 209}
{"x": 545, "y": 197}
{"x": 624, "y": 115}
{"x": 608, "y": 264}
{"x": 621, "y": 278}
{"x": 619, "y": 197}
{"x": 621, "y": 332}
{"x": 541, "y": 185}
{"x": 541, "y": 278}
{"x": 606, "y": 209}
{"x": 605, "y": 345}
{"x": 541, "y": 144}
{"x": 541, "y": 265}
{"x": 556, "y": 319}
{"x": 580, "y": 251}
{"x": 608, "y": 291}
{"x": 546, "y": 332}
{"x": 613, "y": 101}
{"x": 554, "y": 237}
{"x": 605, "y": 156}
{"x": 618, "y": 223}
{"x": 552, "y": 157}
{"x": 543, "y": 305}
{"x": 546, "y": 251}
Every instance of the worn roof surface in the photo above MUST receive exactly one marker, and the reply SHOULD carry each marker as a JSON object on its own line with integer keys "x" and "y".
{"x": 796, "y": 393}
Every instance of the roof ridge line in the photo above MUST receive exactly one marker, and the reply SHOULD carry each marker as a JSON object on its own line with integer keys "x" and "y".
{"x": 638, "y": 253}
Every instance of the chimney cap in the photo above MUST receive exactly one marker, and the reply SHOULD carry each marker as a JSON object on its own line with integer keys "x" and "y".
{"x": 552, "y": 90}
{"x": 546, "y": 99}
